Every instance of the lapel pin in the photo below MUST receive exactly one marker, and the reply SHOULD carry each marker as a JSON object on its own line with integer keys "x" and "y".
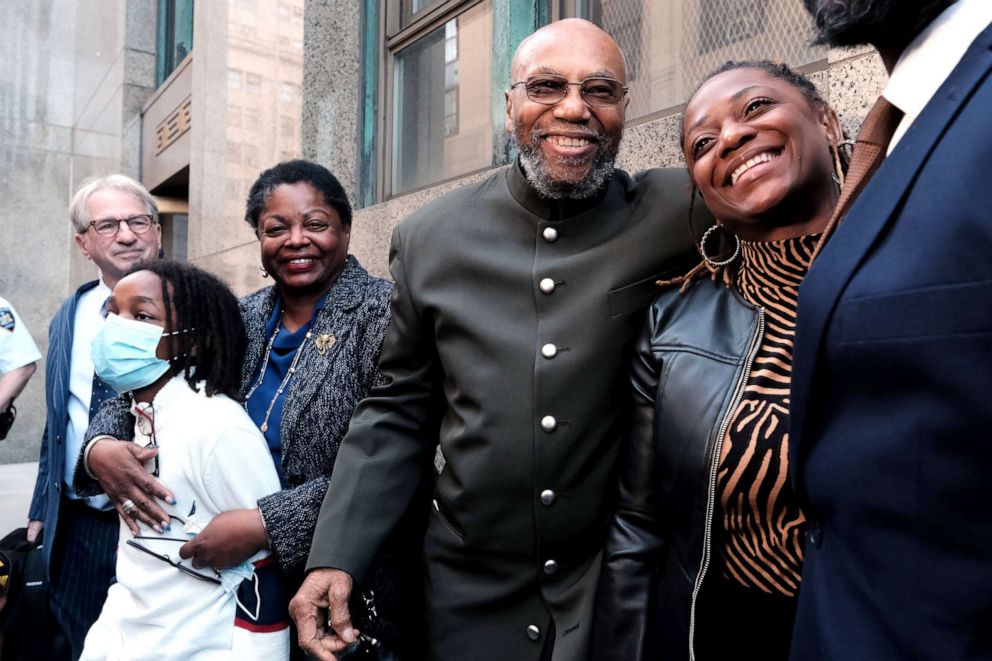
{"x": 324, "y": 342}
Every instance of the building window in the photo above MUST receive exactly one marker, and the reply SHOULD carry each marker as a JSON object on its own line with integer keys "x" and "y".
{"x": 670, "y": 46}
{"x": 175, "y": 36}
{"x": 442, "y": 123}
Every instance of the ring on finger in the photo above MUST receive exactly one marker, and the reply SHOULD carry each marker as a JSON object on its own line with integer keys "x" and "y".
{"x": 127, "y": 505}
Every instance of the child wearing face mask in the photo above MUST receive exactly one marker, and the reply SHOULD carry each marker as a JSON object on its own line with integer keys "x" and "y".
{"x": 174, "y": 342}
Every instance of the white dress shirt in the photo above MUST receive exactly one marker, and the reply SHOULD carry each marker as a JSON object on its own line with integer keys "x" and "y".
{"x": 931, "y": 57}
{"x": 88, "y": 322}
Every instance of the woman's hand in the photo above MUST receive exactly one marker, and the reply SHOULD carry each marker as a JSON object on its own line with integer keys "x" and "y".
{"x": 118, "y": 465}
{"x": 228, "y": 540}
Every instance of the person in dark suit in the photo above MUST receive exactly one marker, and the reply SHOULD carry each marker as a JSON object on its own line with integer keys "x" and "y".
{"x": 116, "y": 224}
{"x": 892, "y": 371}
{"x": 516, "y": 301}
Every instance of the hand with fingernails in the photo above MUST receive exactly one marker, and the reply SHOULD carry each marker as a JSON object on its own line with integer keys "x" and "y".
{"x": 136, "y": 493}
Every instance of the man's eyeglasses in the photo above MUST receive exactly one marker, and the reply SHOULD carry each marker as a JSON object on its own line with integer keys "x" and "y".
{"x": 108, "y": 227}
{"x": 549, "y": 89}
{"x": 164, "y": 557}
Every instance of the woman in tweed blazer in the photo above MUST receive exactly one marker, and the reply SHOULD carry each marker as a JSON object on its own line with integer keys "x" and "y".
{"x": 330, "y": 382}
{"x": 313, "y": 345}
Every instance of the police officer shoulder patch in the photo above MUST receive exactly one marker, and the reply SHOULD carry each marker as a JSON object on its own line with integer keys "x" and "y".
{"x": 7, "y": 319}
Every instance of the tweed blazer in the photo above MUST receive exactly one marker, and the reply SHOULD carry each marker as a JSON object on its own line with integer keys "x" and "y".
{"x": 320, "y": 399}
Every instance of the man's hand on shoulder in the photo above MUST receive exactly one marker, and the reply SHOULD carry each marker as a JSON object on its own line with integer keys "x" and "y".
{"x": 320, "y": 610}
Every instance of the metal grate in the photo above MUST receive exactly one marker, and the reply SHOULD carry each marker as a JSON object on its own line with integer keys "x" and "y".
{"x": 670, "y": 46}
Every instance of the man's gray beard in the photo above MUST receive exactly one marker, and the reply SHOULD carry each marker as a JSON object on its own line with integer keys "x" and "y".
{"x": 541, "y": 180}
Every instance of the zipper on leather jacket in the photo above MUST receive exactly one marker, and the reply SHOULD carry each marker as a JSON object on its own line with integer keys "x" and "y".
{"x": 714, "y": 466}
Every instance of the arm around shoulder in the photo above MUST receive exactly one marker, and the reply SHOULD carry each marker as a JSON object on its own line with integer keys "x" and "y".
{"x": 112, "y": 421}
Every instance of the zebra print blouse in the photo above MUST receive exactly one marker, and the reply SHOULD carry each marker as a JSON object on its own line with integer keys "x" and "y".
{"x": 762, "y": 525}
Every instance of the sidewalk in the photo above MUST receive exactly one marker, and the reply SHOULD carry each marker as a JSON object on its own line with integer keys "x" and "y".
{"x": 16, "y": 486}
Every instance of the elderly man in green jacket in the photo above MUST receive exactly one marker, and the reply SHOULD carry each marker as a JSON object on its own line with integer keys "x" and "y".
{"x": 515, "y": 301}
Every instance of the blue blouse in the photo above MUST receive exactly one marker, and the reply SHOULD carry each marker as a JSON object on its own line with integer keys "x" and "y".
{"x": 281, "y": 356}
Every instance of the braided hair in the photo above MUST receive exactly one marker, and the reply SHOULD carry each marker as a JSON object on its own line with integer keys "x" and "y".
{"x": 783, "y": 72}
{"x": 212, "y": 346}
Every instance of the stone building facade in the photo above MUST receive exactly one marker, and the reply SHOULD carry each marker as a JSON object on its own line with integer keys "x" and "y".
{"x": 401, "y": 99}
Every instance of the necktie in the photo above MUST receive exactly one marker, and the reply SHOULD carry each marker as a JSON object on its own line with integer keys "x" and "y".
{"x": 869, "y": 152}
{"x": 101, "y": 393}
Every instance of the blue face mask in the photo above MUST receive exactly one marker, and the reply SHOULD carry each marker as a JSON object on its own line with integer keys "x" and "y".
{"x": 124, "y": 353}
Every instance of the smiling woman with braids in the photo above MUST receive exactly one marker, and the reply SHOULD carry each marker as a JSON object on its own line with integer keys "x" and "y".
{"x": 313, "y": 345}
{"x": 704, "y": 553}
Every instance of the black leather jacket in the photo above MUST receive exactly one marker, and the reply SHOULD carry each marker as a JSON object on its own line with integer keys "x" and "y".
{"x": 690, "y": 366}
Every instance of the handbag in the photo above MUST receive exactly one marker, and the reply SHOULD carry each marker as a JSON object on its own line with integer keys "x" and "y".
{"x": 29, "y": 630}
{"x": 7, "y": 420}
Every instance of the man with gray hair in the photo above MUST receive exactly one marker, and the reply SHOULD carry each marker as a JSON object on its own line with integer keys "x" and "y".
{"x": 116, "y": 224}
{"x": 515, "y": 300}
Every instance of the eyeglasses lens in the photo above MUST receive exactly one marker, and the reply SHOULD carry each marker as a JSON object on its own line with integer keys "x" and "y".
{"x": 110, "y": 226}
{"x": 597, "y": 92}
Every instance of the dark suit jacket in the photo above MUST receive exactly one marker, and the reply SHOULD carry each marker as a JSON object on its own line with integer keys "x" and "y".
{"x": 51, "y": 462}
{"x": 529, "y": 430}
{"x": 891, "y": 422}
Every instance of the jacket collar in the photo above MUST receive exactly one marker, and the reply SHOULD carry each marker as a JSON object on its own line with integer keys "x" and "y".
{"x": 345, "y": 294}
{"x": 543, "y": 207}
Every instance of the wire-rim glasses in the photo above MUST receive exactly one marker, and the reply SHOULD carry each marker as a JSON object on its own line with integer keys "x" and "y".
{"x": 597, "y": 91}
{"x": 108, "y": 227}
{"x": 165, "y": 557}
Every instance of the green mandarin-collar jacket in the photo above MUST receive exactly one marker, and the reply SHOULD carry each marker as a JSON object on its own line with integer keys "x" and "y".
{"x": 512, "y": 320}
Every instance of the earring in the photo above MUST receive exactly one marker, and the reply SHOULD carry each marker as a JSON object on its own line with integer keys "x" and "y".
{"x": 712, "y": 263}
{"x": 265, "y": 273}
{"x": 838, "y": 174}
